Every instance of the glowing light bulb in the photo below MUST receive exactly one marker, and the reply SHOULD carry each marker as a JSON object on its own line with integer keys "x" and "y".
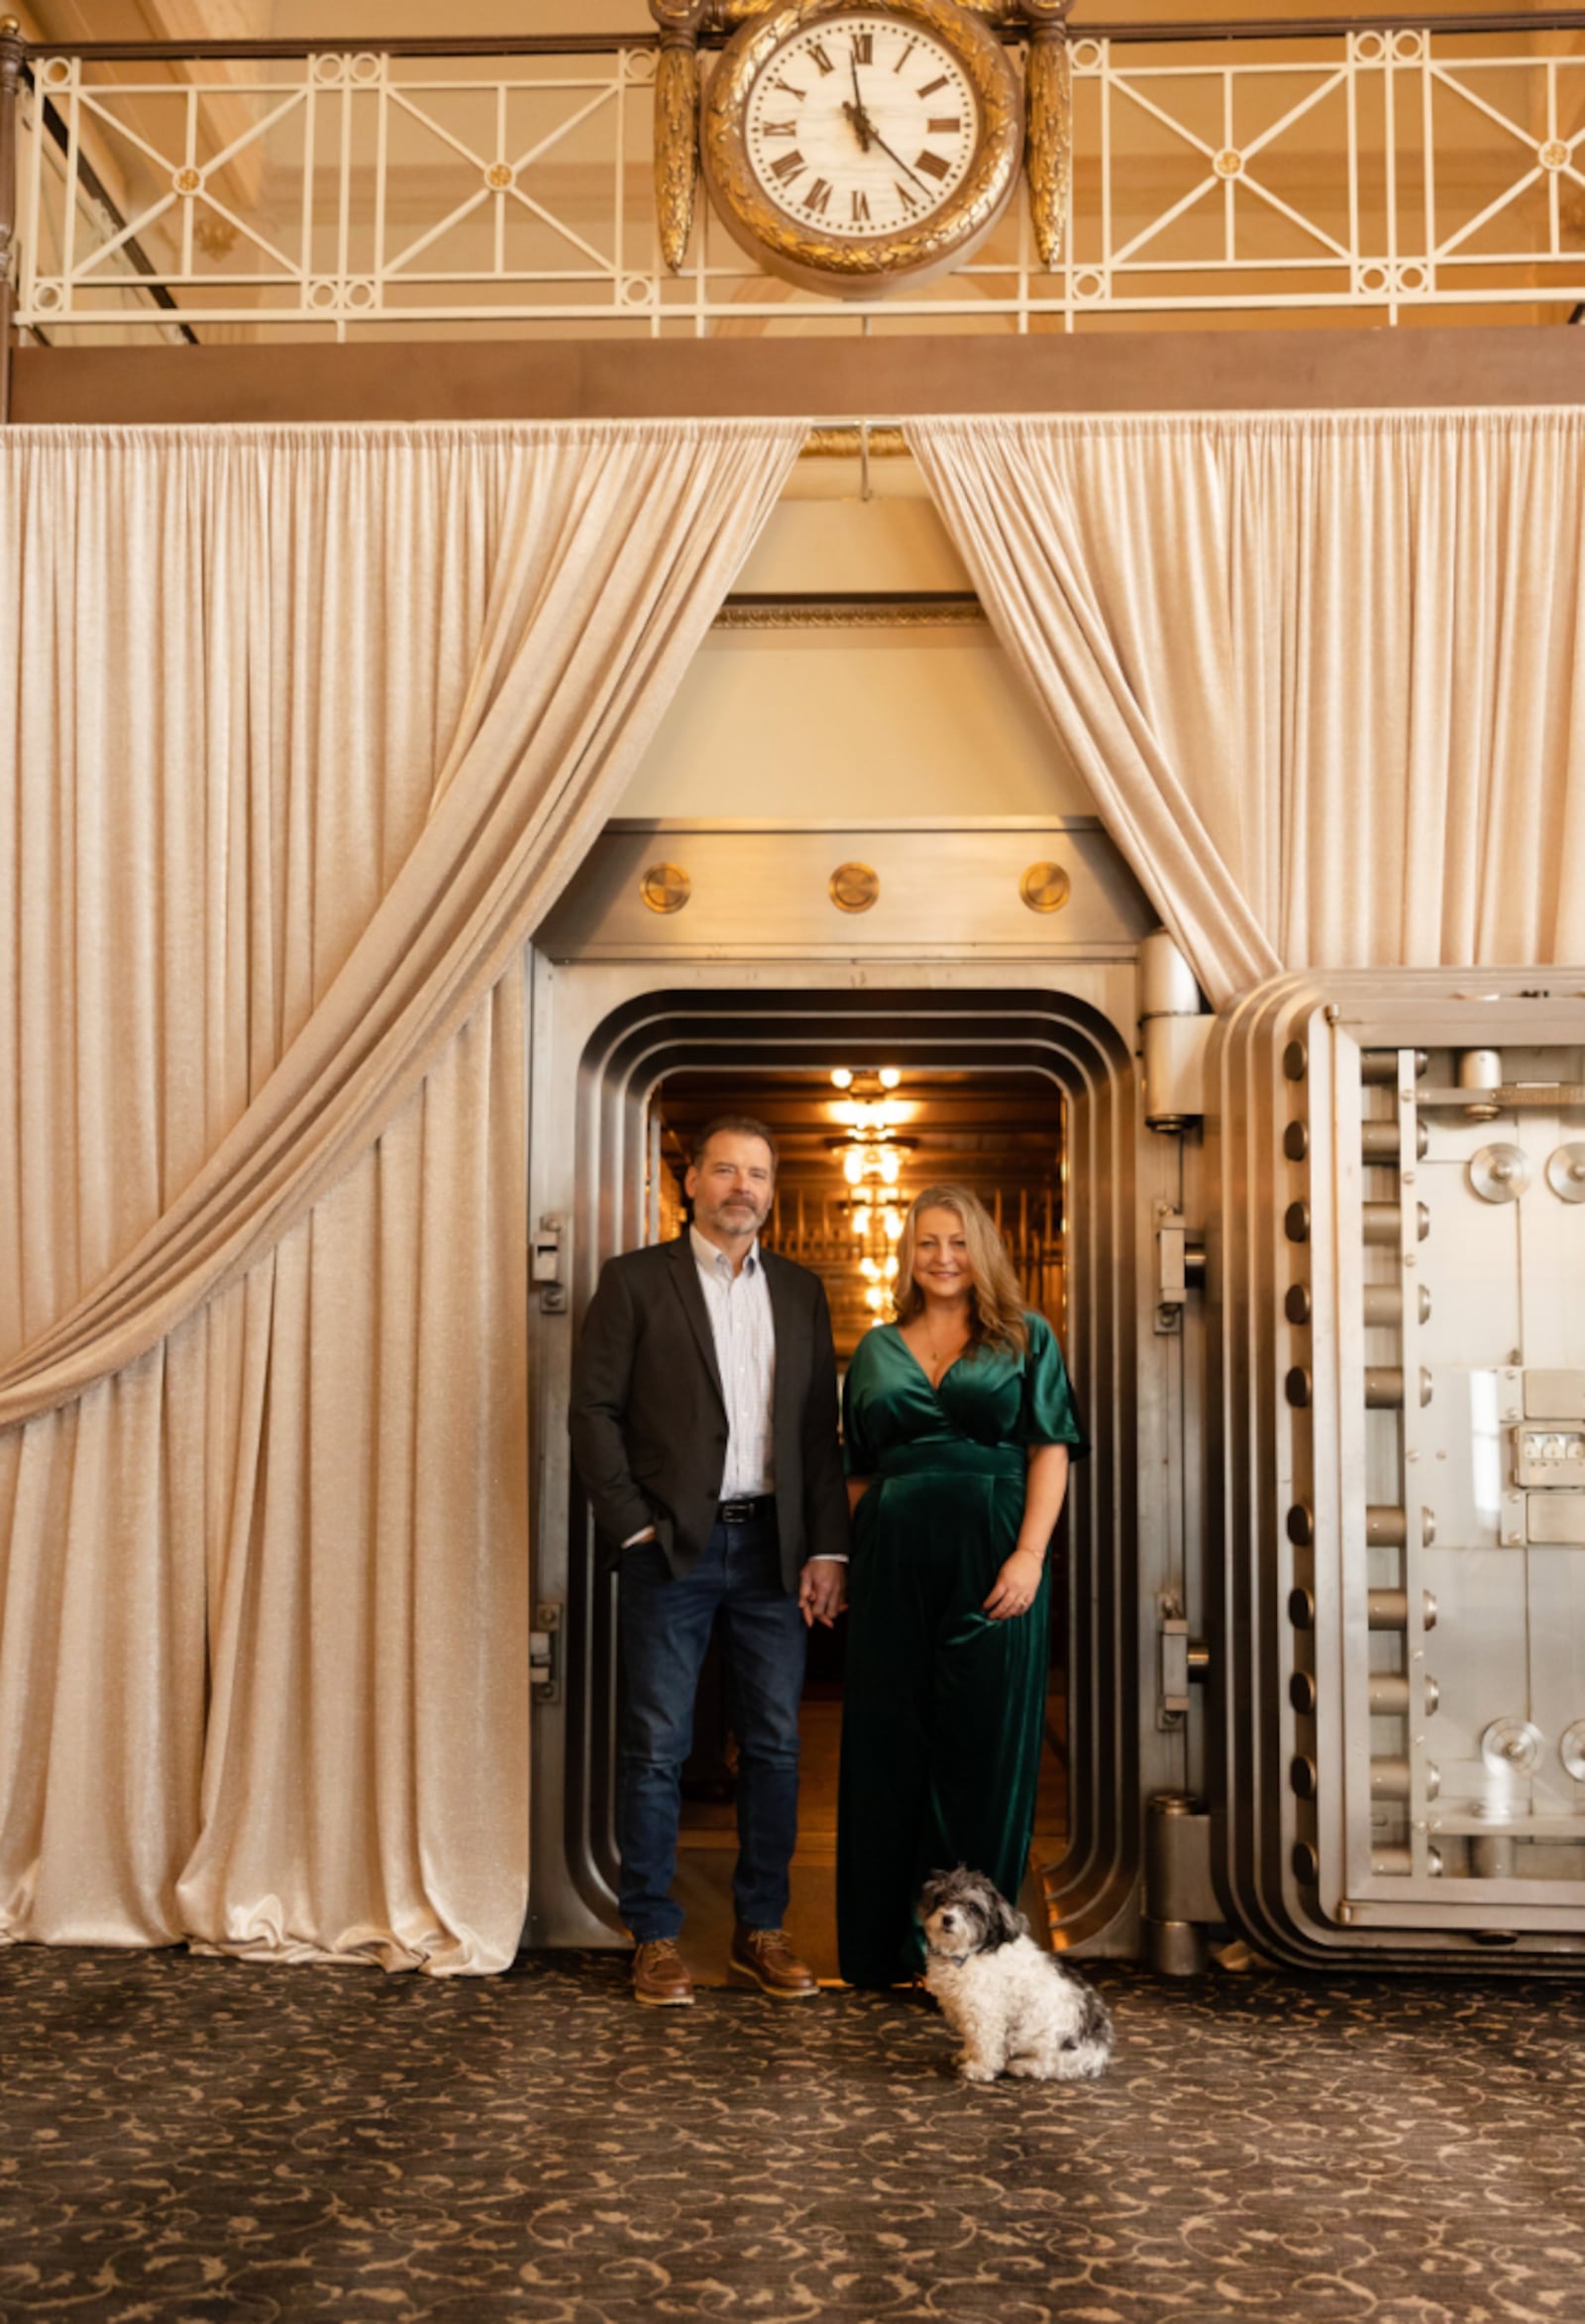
{"x": 842, "y": 1077}
{"x": 889, "y": 1270}
{"x": 874, "y": 1297}
{"x": 890, "y": 1164}
{"x": 890, "y": 1077}
{"x": 871, "y": 1268}
{"x": 853, "y": 1165}
{"x": 892, "y": 1220}
{"x": 861, "y": 1220}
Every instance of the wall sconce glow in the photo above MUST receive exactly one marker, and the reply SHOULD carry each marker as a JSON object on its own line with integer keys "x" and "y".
{"x": 890, "y": 1077}
{"x": 842, "y": 1077}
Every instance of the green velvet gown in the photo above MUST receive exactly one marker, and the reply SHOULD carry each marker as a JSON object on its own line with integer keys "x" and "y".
{"x": 944, "y": 1709}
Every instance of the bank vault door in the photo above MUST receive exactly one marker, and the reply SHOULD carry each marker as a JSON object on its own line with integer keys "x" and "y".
{"x": 1397, "y": 1174}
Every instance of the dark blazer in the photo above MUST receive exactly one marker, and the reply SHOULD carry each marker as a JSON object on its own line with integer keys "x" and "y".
{"x": 649, "y": 1420}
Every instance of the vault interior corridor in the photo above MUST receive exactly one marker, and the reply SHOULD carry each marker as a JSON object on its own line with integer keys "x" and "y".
{"x": 999, "y": 1132}
{"x": 602, "y": 1177}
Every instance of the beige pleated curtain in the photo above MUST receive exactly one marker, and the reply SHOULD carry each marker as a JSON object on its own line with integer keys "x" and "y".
{"x": 1319, "y": 672}
{"x": 305, "y": 731}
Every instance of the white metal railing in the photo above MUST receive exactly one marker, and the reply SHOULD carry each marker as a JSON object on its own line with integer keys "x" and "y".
{"x": 332, "y": 194}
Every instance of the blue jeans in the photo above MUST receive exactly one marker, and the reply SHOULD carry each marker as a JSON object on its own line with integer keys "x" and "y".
{"x": 664, "y": 1624}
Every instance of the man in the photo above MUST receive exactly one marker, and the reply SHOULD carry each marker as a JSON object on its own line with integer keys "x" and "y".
{"x": 705, "y": 1429}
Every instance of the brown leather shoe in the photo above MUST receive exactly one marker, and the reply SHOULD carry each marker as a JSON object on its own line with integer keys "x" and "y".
{"x": 764, "y": 1957}
{"x": 659, "y": 1974}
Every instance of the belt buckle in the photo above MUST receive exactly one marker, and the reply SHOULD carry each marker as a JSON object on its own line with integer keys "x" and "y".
{"x": 737, "y": 1512}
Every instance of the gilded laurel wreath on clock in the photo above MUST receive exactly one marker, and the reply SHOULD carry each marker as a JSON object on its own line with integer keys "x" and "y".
{"x": 859, "y": 145}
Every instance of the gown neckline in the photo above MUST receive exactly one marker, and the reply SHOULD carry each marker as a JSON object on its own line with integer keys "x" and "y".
{"x": 935, "y": 1385}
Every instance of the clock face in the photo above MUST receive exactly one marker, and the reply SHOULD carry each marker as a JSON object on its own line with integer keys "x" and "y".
{"x": 852, "y": 148}
{"x": 861, "y": 126}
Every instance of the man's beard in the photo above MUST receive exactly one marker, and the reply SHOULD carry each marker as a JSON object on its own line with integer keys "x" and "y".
{"x": 739, "y": 1215}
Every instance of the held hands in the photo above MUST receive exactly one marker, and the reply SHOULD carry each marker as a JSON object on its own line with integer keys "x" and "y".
{"x": 822, "y": 1592}
{"x": 1016, "y": 1585}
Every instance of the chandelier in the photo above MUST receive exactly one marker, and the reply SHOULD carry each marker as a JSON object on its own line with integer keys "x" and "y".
{"x": 870, "y": 1154}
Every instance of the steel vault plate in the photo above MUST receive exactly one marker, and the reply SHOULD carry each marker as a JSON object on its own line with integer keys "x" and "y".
{"x": 1352, "y": 1820}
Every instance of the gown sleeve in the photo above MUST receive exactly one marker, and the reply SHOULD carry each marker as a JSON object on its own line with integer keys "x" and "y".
{"x": 1050, "y": 1413}
{"x": 859, "y": 1456}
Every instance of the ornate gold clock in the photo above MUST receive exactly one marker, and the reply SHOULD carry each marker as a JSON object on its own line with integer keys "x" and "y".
{"x": 855, "y": 147}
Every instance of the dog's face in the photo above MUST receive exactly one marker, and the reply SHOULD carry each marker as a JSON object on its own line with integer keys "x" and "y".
{"x": 964, "y": 1912}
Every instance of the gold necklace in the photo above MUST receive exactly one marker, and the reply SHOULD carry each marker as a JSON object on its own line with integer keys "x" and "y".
{"x": 946, "y": 1357}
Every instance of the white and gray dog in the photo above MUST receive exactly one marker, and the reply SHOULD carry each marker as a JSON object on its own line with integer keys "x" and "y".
{"x": 1016, "y": 2009}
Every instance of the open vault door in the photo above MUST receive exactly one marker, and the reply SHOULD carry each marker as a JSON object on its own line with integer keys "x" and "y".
{"x": 1395, "y": 1168}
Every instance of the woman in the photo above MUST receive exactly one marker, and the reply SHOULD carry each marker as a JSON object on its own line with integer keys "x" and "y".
{"x": 959, "y": 1425}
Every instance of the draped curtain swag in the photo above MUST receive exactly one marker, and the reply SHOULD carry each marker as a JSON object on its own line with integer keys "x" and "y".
{"x": 1317, "y": 671}
{"x": 309, "y": 729}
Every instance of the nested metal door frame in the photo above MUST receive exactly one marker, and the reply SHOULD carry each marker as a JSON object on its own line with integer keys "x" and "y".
{"x": 604, "y": 1037}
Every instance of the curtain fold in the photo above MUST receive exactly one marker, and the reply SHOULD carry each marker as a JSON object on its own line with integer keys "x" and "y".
{"x": 1317, "y": 670}
{"x": 309, "y": 728}
{"x": 616, "y": 546}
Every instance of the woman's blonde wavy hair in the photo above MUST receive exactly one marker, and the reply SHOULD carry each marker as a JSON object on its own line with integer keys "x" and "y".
{"x": 996, "y": 1302}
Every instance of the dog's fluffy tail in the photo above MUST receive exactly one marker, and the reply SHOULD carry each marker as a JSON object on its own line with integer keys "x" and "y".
{"x": 1088, "y": 2048}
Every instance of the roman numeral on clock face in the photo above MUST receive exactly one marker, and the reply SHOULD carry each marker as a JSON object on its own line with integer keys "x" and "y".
{"x": 816, "y": 142}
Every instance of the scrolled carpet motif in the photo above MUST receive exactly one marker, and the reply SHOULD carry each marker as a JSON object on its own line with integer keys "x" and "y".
{"x": 186, "y": 2139}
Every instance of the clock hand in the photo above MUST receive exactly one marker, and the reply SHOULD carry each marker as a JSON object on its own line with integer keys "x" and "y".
{"x": 879, "y": 140}
{"x": 860, "y": 125}
{"x": 856, "y": 112}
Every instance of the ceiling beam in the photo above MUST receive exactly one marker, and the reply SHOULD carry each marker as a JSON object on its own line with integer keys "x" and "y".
{"x": 811, "y": 379}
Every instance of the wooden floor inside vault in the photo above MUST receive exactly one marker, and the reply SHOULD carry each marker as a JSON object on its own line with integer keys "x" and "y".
{"x": 709, "y": 1844}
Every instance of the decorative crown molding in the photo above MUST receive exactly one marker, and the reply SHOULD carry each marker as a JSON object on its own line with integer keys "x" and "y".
{"x": 836, "y": 612}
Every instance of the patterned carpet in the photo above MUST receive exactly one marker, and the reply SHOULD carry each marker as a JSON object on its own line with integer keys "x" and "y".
{"x": 185, "y": 2139}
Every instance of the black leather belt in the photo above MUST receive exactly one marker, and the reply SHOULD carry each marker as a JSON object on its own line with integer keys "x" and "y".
{"x": 744, "y": 1513}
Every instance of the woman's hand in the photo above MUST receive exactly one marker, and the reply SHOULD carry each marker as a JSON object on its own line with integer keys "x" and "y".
{"x": 1016, "y": 1585}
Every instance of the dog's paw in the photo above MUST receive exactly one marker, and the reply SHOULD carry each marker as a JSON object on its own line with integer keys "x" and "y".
{"x": 1085, "y": 2064}
{"x": 977, "y": 2070}
{"x": 1028, "y": 2070}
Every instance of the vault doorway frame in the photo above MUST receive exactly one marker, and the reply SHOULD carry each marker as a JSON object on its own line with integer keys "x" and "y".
{"x": 596, "y": 1066}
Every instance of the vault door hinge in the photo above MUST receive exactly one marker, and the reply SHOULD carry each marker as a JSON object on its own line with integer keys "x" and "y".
{"x": 545, "y": 1651}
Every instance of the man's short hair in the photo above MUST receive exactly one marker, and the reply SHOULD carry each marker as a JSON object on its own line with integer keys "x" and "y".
{"x": 741, "y": 1126}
